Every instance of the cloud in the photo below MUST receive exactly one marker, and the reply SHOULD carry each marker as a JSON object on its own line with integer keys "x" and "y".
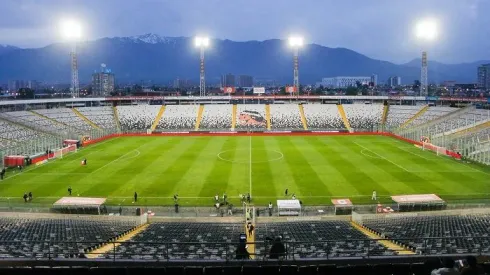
{"x": 380, "y": 29}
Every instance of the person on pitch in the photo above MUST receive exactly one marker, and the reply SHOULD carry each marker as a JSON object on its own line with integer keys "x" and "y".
{"x": 30, "y": 196}
{"x": 2, "y": 173}
{"x": 286, "y": 192}
{"x": 216, "y": 198}
{"x": 176, "y": 197}
{"x": 69, "y": 190}
{"x": 293, "y": 197}
{"x": 374, "y": 197}
{"x": 224, "y": 198}
{"x": 25, "y": 197}
{"x": 135, "y": 197}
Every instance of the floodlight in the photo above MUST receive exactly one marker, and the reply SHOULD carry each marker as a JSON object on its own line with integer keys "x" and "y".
{"x": 71, "y": 29}
{"x": 295, "y": 41}
{"x": 426, "y": 29}
{"x": 202, "y": 41}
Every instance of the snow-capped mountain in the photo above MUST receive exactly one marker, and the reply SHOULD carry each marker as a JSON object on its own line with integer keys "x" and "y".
{"x": 150, "y": 38}
{"x": 161, "y": 59}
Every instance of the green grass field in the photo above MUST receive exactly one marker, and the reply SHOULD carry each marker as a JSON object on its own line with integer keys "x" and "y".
{"x": 315, "y": 168}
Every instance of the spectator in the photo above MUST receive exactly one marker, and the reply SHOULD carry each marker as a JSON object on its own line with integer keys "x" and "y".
{"x": 251, "y": 228}
{"x": 242, "y": 253}
{"x": 230, "y": 209}
{"x": 30, "y": 196}
{"x": 448, "y": 268}
{"x": 277, "y": 249}
{"x": 472, "y": 268}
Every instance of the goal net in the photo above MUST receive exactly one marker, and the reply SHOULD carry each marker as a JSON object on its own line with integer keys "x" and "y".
{"x": 63, "y": 151}
{"x": 436, "y": 149}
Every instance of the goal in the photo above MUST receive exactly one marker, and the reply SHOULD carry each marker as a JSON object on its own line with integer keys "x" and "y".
{"x": 437, "y": 149}
{"x": 63, "y": 151}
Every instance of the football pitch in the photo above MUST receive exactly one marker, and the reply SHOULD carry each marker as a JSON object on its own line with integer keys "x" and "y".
{"x": 315, "y": 168}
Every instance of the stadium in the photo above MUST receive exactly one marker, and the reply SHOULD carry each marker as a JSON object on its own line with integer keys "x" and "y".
{"x": 352, "y": 184}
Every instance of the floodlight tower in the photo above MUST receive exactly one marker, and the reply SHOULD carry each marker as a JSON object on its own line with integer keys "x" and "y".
{"x": 426, "y": 31}
{"x": 296, "y": 42}
{"x": 202, "y": 43}
{"x": 72, "y": 32}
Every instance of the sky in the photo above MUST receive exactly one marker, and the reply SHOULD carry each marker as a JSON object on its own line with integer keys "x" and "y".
{"x": 381, "y": 29}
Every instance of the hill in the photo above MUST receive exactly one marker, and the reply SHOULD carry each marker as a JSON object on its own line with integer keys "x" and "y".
{"x": 161, "y": 59}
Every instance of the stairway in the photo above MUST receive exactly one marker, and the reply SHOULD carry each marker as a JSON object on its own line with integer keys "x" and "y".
{"x": 106, "y": 248}
{"x": 468, "y": 129}
{"x": 116, "y": 118}
{"x": 84, "y": 118}
{"x": 233, "y": 117}
{"x": 199, "y": 117}
{"x": 303, "y": 117}
{"x": 344, "y": 117}
{"x": 157, "y": 118}
{"x": 414, "y": 117}
{"x": 386, "y": 110}
{"x": 53, "y": 120}
{"x": 268, "y": 116}
{"x": 384, "y": 242}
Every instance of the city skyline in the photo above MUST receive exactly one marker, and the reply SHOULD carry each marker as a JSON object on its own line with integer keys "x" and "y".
{"x": 31, "y": 23}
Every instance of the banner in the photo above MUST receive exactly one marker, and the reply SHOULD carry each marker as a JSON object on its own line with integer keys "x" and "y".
{"x": 259, "y": 90}
{"x": 291, "y": 89}
{"x": 229, "y": 90}
{"x": 432, "y": 98}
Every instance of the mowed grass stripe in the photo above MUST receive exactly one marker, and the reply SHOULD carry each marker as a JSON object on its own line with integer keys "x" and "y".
{"x": 355, "y": 167}
{"x": 262, "y": 178}
{"x": 447, "y": 178}
{"x": 406, "y": 182}
{"x": 282, "y": 177}
{"x": 56, "y": 185}
{"x": 192, "y": 181}
{"x": 176, "y": 165}
{"x": 343, "y": 178}
{"x": 152, "y": 160}
{"x": 305, "y": 177}
{"x": 239, "y": 180}
{"x": 217, "y": 181}
{"x": 115, "y": 175}
{"x": 332, "y": 179}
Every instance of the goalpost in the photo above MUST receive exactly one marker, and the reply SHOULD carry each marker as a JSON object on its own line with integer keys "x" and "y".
{"x": 437, "y": 149}
{"x": 63, "y": 151}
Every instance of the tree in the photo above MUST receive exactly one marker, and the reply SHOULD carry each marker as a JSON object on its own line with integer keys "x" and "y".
{"x": 351, "y": 91}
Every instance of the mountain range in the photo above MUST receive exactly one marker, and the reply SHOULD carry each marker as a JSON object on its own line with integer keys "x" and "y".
{"x": 162, "y": 59}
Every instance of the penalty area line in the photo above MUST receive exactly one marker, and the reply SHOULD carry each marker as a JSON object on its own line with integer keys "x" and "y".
{"x": 401, "y": 167}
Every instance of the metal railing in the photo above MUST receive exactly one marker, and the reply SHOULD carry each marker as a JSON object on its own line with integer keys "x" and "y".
{"x": 205, "y": 251}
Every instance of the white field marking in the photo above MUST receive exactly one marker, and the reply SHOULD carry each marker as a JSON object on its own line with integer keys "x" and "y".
{"x": 476, "y": 170}
{"x": 429, "y": 159}
{"x": 281, "y": 156}
{"x": 367, "y": 155}
{"x": 250, "y": 160}
{"x": 381, "y": 156}
{"x": 51, "y": 161}
{"x": 111, "y": 162}
{"x": 266, "y": 197}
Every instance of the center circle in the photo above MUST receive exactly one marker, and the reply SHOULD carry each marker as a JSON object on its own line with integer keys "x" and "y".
{"x": 239, "y": 157}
